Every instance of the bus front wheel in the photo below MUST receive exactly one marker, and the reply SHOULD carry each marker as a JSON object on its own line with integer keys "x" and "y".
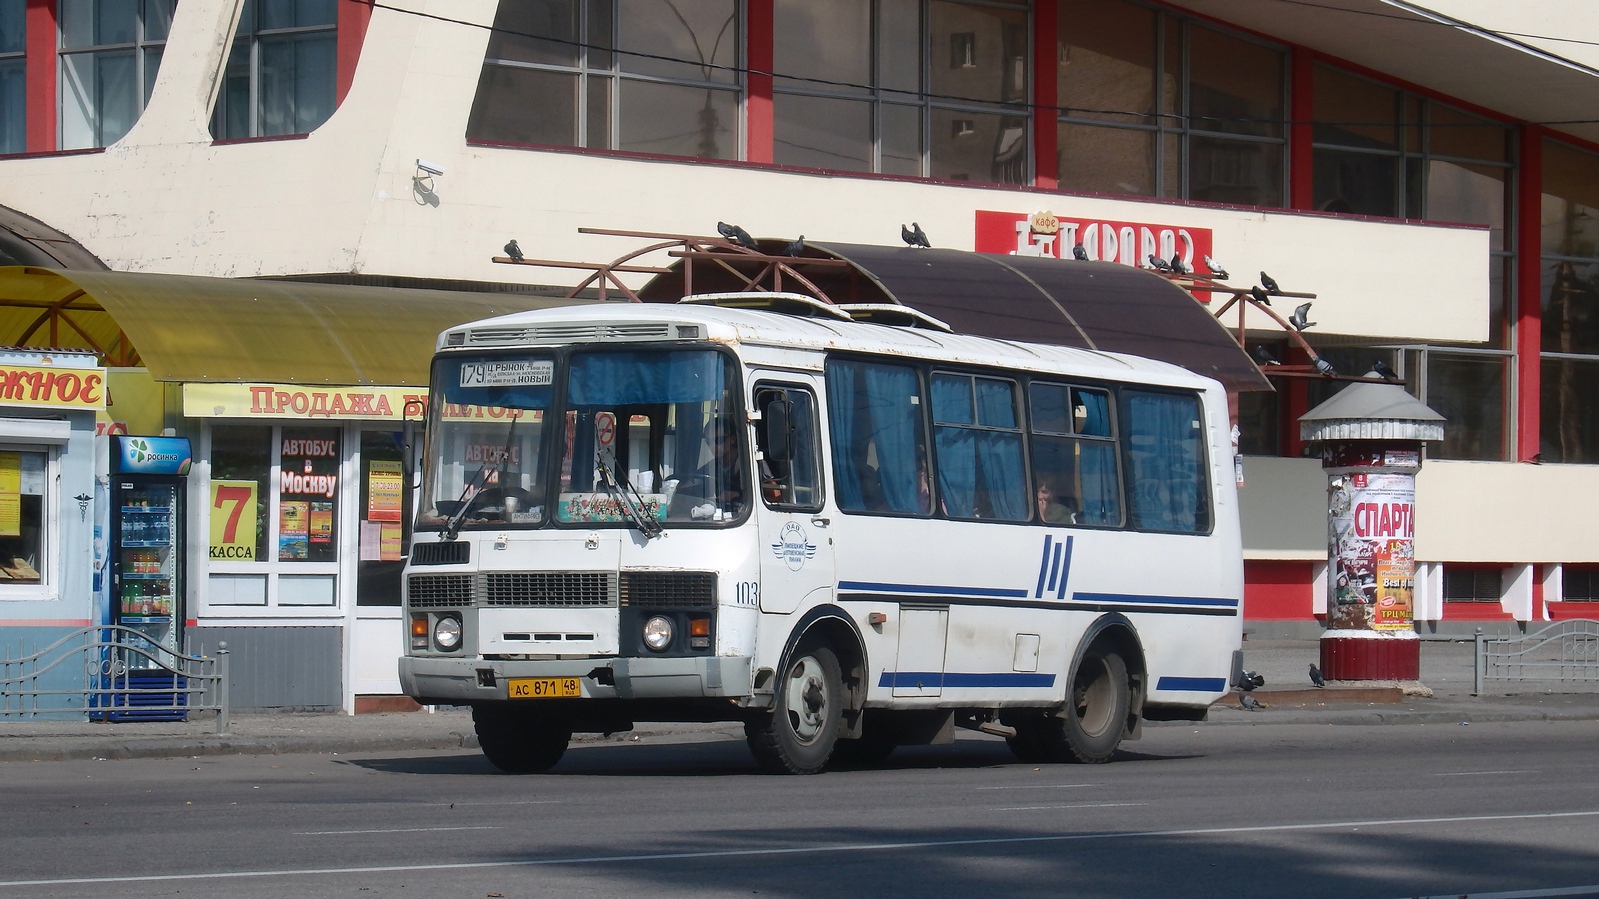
{"x": 799, "y": 734}
{"x": 1089, "y": 729}
{"x": 518, "y": 740}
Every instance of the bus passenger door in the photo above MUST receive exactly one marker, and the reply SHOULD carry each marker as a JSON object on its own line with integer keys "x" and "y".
{"x": 796, "y": 539}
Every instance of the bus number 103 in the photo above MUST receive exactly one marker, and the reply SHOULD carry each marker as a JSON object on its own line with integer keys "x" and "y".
{"x": 749, "y": 594}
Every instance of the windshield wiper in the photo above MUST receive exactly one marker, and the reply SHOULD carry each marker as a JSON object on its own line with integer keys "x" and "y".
{"x": 453, "y": 526}
{"x": 626, "y": 495}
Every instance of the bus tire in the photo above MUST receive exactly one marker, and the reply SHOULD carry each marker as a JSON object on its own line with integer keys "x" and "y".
{"x": 518, "y": 741}
{"x": 799, "y": 734}
{"x": 1089, "y": 729}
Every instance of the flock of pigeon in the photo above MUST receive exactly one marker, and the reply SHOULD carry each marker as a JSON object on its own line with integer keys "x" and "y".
{"x": 1248, "y": 680}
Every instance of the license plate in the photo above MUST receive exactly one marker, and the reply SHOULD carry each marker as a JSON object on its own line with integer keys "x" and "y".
{"x": 544, "y": 687}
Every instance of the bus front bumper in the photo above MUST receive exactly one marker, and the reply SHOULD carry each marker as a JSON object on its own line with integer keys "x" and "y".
{"x": 446, "y": 681}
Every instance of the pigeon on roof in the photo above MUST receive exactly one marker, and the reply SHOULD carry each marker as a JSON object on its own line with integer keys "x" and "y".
{"x": 1216, "y": 271}
{"x": 1270, "y": 285}
{"x": 737, "y": 235}
{"x": 513, "y": 251}
{"x": 1298, "y": 318}
{"x": 796, "y": 248}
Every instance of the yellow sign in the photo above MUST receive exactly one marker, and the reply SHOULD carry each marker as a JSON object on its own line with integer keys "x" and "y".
{"x": 10, "y": 494}
{"x": 233, "y": 520}
{"x": 298, "y": 401}
{"x": 135, "y": 403}
{"x": 57, "y": 388}
{"x": 384, "y": 485}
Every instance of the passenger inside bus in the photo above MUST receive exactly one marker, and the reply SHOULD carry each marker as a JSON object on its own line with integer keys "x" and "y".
{"x": 1054, "y": 507}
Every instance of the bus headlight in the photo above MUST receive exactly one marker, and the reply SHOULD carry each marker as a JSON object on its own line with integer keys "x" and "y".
{"x": 658, "y": 633}
{"x": 447, "y": 633}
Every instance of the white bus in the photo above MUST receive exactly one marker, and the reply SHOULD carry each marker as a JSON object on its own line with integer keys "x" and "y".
{"x": 845, "y": 527}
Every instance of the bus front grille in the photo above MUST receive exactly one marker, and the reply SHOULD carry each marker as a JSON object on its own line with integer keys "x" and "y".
{"x": 562, "y": 589}
{"x": 434, "y": 591}
{"x": 669, "y": 589}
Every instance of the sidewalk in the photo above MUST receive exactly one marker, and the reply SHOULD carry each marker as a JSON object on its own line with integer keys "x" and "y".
{"x": 1446, "y": 668}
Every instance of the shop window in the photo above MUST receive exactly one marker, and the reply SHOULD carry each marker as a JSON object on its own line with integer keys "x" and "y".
{"x": 1580, "y": 583}
{"x": 13, "y": 76}
{"x": 280, "y": 75}
{"x": 1202, "y": 120}
{"x": 26, "y": 523}
{"x": 1569, "y": 427}
{"x": 241, "y": 479}
{"x": 110, "y": 53}
{"x": 1469, "y": 392}
{"x": 382, "y": 517}
{"x": 1462, "y": 584}
{"x": 553, "y": 75}
{"x": 309, "y": 488}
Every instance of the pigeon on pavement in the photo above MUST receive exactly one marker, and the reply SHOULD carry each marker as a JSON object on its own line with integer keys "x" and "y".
{"x": 1249, "y": 703}
{"x": 1315, "y": 676}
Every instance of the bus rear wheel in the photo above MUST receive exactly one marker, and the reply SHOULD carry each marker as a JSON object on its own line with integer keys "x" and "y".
{"x": 799, "y": 734}
{"x": 1090, "y": 728}
{"x": 519, "y": 740}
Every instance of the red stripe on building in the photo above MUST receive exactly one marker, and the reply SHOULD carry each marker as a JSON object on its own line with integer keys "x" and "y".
{"x": 354, "y": 15}
{"x": 1278, "y": 591}
{"x": 1529, "y": 313}
{"x": 41, "y": 75}
{"x": 758, "y": 114}
{"x": 1046, "y": 137}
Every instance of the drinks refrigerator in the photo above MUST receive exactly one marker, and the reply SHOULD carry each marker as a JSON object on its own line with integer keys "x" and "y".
{"x": 148, "y": 487}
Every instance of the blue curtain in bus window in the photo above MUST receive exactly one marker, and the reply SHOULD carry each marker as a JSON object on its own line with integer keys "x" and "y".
{"x": 1097, "y": 474}
{"x": 1096, "y": 405}
{"x": 621, "y": 379}
{"x": 871, "y": 413}
{"x": 1163, "y": 453}
{"x": 957, "y": 470}
{"x": 1000, "y": 452}
{"x": 896, "y": 428}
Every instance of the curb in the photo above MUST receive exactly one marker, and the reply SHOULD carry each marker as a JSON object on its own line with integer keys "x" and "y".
{"x": 1319, "y": 697}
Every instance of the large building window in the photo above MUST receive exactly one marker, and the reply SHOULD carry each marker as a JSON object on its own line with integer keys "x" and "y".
{"x": 1569, "y": 251}
{"x": 13, "y": 77}
{"x": 1381, "y": 151}
{"x": 1156, "y": 105}
{"x": 110, "y": 53}
{"x": 905, "y": 87}
{"x": 649, "y": 76}
{"x": 280, "y": 75}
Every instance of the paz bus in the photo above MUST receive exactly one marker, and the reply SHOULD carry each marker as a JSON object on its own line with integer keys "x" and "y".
{"x": 843, "y": 526}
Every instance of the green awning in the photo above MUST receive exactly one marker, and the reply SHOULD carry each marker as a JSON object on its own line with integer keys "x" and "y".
{"x": 186, "y": 328}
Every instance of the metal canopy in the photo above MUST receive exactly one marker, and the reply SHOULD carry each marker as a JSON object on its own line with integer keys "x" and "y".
{"x": 1093, "y": 305}
{"x": 186, "y": 328}
{"x": 1372, "y": 410}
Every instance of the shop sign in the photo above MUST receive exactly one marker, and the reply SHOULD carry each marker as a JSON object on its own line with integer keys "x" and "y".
{"x": 1373, "y": 551}
{"x": 298, "y": 401}
{"x": 1130, "y": 243}
{"x": 151, "y": 455}
{"x": 54, "y": 388}
{"x": 233, "y": 520}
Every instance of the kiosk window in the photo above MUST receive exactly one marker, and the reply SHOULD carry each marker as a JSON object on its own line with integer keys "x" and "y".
{"x": 241, "y": 475}
{"x": 308, "y": 506}
{"x": 23, "y": 516}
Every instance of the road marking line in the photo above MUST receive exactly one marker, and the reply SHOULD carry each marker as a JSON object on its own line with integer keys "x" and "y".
{"x": 325, "y": 833}
{"x": 1035, "y": 808}
{"x": 1476, "y": 773}
{"x": 806, "y": 850}
{"x": 1041, "y": 787}
{"x": 1525, "y": 894}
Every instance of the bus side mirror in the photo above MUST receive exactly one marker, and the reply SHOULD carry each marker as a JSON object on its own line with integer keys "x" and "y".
{"x": 408, "y": 441}
{"x": 779, "y": 429}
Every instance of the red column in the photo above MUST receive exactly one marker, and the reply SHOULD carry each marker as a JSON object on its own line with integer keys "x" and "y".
{"x": 1301, "y": 110}
{"x": 41, "y": 75}
{"x": 1046, "y": 159}
{"x": 1529, "y": 287}
{"x": 353, "y": 18}
{"x": 758, "y": 106}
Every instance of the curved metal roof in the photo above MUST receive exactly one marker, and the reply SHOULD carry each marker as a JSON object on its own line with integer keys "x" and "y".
{"x": 1091, "y": 305}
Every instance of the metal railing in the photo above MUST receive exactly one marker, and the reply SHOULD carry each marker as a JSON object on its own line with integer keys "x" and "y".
{"x": 119, "y": 675}
{"x": 1566, "y": 651}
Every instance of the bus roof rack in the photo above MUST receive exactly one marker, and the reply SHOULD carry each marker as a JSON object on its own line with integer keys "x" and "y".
{"x": 894, "y": 314}
{"x": 771, "y": 301}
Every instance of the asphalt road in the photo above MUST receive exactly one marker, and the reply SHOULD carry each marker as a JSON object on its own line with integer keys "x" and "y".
{"x": 1286, "y": 810}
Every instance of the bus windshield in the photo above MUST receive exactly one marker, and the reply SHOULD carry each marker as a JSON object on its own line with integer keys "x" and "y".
{"x": 648, "y": 437}
{"x": 487, "y": 441}
{"x": 651, "y": 435}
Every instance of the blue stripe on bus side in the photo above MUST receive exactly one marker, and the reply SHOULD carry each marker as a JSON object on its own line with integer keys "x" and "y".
{"x": 1193, "y": 684}
{"x": 1160, "y": 600}
{"x": 964, "y": 679}
{"x": 1043, "y": 568}
{"x": 928, "y": 589}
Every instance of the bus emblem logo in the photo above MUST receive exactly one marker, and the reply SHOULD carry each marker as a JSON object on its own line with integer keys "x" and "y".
{"x": 792, "y": 547}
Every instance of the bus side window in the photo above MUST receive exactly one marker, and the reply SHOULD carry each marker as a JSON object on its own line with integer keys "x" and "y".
{"x": 878, "y": 437}
{"x": 1074, "y": 456}
{"x": 788, "y": 439}
{"x": 978, "y": 438}
{"x": 1166, "y": 472}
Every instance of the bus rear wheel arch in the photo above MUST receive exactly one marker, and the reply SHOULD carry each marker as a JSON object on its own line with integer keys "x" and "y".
{"x": 1103, "y": 702}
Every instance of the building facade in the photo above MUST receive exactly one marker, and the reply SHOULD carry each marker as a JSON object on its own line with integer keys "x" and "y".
{"x": 1430, "y": 171}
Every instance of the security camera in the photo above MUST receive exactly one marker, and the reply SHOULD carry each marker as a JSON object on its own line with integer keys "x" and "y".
{"x": 429, "y": 167}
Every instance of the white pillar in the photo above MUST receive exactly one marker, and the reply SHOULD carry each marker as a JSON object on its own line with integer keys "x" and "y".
{"x": 1517, "y": 598}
